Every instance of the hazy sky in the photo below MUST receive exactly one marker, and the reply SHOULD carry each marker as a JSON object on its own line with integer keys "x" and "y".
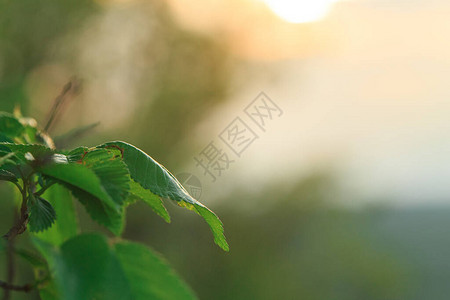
{"x": 365, "y": 91}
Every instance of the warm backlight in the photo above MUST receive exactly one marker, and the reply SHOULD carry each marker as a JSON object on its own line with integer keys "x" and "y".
{"x": 300, "y": 11}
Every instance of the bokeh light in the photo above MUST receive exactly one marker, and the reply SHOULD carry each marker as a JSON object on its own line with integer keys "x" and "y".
{"x": 300, "y": 11}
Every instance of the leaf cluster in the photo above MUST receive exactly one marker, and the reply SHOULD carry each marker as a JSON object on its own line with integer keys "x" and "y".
{"x": 105, "y": 179}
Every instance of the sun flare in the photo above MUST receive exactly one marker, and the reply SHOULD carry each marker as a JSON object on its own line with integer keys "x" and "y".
{"x": 300, "y": 11}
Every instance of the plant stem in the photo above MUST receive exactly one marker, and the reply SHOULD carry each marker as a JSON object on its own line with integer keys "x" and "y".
{"x": 43, "y": 189}
{"x": 10, "y": 270}
{"x": 20, "y": 225}
{"x": 11, "y": 287}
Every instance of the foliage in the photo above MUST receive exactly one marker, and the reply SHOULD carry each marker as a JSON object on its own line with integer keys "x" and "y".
{"x": 105, "y": 179}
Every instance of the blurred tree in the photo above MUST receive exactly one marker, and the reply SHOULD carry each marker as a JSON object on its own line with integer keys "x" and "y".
{"x": 191, "y": 80}
{"x": 292, "y": 245}
{"x": 191, "y": 76}
{"x": 28, "y": 31}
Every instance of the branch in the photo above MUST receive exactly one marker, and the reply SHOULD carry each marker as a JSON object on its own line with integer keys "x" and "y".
{"x": 72, "y": 86}
{"x": 20, "y": 288}
{"x": 21, "y": 225}
{"x": 10, "y": 269}
{"x": 18, "y": 228}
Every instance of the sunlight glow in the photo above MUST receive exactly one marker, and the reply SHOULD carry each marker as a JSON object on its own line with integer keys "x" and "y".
{"x": 300, "y": 11}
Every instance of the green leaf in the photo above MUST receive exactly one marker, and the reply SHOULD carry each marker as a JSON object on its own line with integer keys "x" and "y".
{"x": 103, "y": 214}
{"x": 6, "y": 158}
{"x": 149, "y": 276}
{"x": 112, "y": 171}
{"x": 75, "y": 155}
{"x": 88, "y": 267}
{"x": 66, "y": 225}
{"x": 81, "y": 177}
{"x": 42, "y": 215}
{"x": 153, "y": 176}
{"x": 105, "y": 200}
{"x": 34, "y": 259}
{"x": 8, "y": 176}
{"x": 213, "y": 221}
{"x": 10, "y": 126}
{"x": 138, "y": 192}
{"x": 84, "y": 268}
{"x": 87, "y": 187}
{"x": 49, "y": 291}
{"x": 31, "y": 134}
{"x": 39, "y": 153}
{"x": 150, "y": 174}
{"x": 11, "y": 162}
{"x": 98, "y": 172}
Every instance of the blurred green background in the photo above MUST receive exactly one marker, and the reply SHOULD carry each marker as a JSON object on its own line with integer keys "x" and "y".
{"x": 170, "y": 89}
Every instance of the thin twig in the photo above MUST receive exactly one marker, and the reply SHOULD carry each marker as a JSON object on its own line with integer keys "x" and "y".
{"x": 11, "y": 287}
{"x": 19, "y": 227}
{"x": 10, "y": 270}
{"x": 72, "y": 86}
